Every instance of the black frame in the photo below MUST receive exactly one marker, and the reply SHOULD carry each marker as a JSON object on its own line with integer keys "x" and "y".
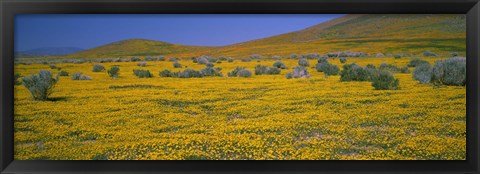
{"x": 8, "y": 9}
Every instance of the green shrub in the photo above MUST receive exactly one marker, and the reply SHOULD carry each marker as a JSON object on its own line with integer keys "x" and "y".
{"x": 177, "y": 65}
{"x": 142, "y": 73}
{"x": 173, "y": 59}
{"x": 389, "y": 67}
{"x": 142, "y": 64}
{"x": 428, "y": 53}
{"x": 135, "y": 59}
{"x": 397, "y": 56}
{"x": 415, "y": 62}
{"x": 211, "y": 59}
{"x": 230, "y": 59}
{"x": 210, "y": 71}
{"x": 353, "y": 72}
{"x": 310, "y": 56}
{"x": 261, "y": 69}
{"x": 343, "y": 60}
{"x": 16, "y": 77}
{"x": 189, "y": 73}
{"x": 235, "y": 71}
{"x": 384, "y": 80}
{"x": 256, "y": 56}
{"x": 244, "y": 73}
{"x": 80, "y": 76}
{"x": 277, "y": 57}
{"x": 327, "y": 68}
{"x": 63, "y": 73}
{"x": 52, "y": 66}
{"x": 423, "y": 73}
{"x": 323, "y": 59}
{"x": 148, "y": 58}
{"x": 222, "y": 59}
{"x": 209, "y": 64}
{"x": 454, "y": 54}
{"x": 404, "y": 70}
{"x": 98, "y": 68}
{"x": 166, "y": 73}
{"x": 114, "y": 72}
{"x": 161, "y": 58}
{"x": 303, "y": 62}
{"x": 279, "y": 64}
{"x": 298, "y": 72}
{"x": 40, "y": 85}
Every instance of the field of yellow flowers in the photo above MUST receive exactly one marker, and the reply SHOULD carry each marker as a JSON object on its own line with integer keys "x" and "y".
{"x": 234, "y": 118}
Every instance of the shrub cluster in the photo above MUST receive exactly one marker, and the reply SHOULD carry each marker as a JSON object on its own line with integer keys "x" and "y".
{"x": 450, "y": 72}
{"x": 135, "y": 59}
{"x": 343, "y": 60}
{"x": 16, "y": 77}
{"x": 415, "y": 62}
{"x": 293, "y": 56}
{"x": 80, "y": 76}
{"x": 202, "y": 60}
{"x": 256, "y": 56}
{"x": 177, "y": 65}
{"x": 63, "y": 73}
{"x": 142, "y": 73}
{"x": 142, "y": 64}
{"x": 310, "y": 56}
{"x": 261, "y": 69}
{"x": 240, "y": 71}
{"x": 166, "y": 73}
{"x": 279, "y": 64}
{"x": 161, "y": 58}
{"x": 98, "y": 68}
{"x": 404, "y": 70}
{"x": 52, "y": 66}
{"x": 303, "y": 62}
{"x": 397, "y": 56}
{"x": 210, "y": 71}
{"x": 230, "y": 59}
{"x": 148, "y": 58}
{"x": 40, "y": 85}
{"x": 114, "y": 72}
{"x": 428, "y": 53}
{"x": 384, "y": 80}
{"x": 188, "y": 73}
{"x": 353, "y": 72}
{"x": 327, "y": 68}
{"x": 298, "y": 72}
{"x": 173, "y": 59}
{"x": 389, "y": 67}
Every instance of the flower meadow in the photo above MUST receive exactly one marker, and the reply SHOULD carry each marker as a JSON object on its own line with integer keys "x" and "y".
{"x": 220, "y": 117}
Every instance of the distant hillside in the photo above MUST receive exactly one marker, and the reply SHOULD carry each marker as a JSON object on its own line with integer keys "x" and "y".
{"x": 386, "y": 33}
{"x": 135, "y": 47}
{"x": 47, "y": 51}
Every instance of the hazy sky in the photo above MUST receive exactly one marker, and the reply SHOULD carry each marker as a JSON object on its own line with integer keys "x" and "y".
{"x": 88, "y": 31}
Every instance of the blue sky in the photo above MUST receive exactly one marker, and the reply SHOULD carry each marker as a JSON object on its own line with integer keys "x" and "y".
{"x": 89, "y": 31}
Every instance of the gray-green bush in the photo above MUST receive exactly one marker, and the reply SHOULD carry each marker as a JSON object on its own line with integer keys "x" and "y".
{"x": 279, "y": 64}
{"x": 142, "y": 73}
{"x": 244, "y": 73}
{"x": 343, "y": 60}
{"x": 303, "y": 62}
{"x": 40, "y": 85}
{"x": 189, "y": 73}
{"x": 423, "y": 73}
{"x": 428, "y": 53}
{"x": 384, "y": 80}
{"x": 415, "y": 62}
{"x": 142, "y": 64}
{"x": 173, "y": 59}
{"x": 16, "y": 77}
{"x": 114, "y": 71}
{"x": 177, "y": 65}
{"x": 202, "y": 60}
{"x": 80, "y": 76}
{"x": 298, "y": 72}
{"x": 404, "y": 70}
{"x": 397, "y": 56}
{"x": 455, "y": 71}
{"x": 235, "y": 71}
{"x": 327, "y": 68}
{"x": 63, "y": 73}
{"x": 135, "y": 59}
{"x": 98, "y": 68}
{"x": 353, "y": 72}
{"x": 166, "y": 73}
{"x": 210, "y": 71}
{"x": 261, "y": 69}
{"x": 389, "y": 67}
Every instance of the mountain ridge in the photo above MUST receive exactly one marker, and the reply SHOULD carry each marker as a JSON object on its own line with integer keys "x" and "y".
{"x": 387, "y": 33}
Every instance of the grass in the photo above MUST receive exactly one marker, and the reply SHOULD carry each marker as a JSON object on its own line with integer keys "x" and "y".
{"x": 262, "y": 117}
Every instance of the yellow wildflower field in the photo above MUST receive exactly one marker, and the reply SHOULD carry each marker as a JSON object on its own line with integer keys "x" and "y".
{"x": 264, "y": 117}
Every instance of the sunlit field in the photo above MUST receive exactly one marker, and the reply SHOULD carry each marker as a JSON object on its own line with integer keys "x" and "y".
{"x": 224, "y": 118}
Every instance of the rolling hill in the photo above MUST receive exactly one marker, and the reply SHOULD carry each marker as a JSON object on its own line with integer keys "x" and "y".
{"x": 386, "y": 33}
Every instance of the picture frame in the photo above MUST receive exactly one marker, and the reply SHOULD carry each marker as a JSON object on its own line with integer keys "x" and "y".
{"x": 9, "y": 8}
